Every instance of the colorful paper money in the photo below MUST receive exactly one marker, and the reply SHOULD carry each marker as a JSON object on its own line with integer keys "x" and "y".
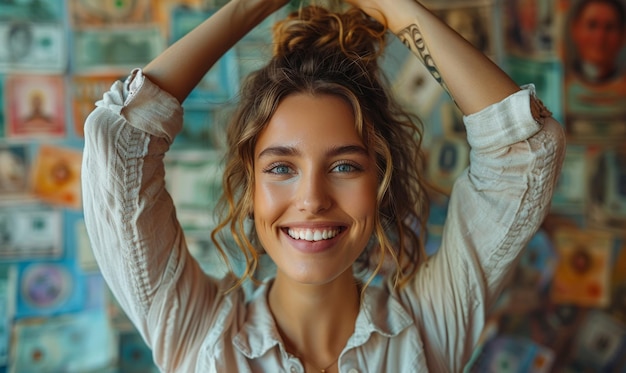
{"x": 74, "y": 343}
{"x": 93, "y": 13}
{"x": 56, "y": 177}
{"x": 582, "y": 273}
{"x": 36, "y": 106}
{"x": 32, "y": 232}
{"x": 14, "y": 171}
{"x": 115, "y": 50}
{"x": 33, "y": 47}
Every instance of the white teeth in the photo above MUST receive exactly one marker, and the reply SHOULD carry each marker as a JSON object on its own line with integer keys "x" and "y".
{"x": 312, "y": 235}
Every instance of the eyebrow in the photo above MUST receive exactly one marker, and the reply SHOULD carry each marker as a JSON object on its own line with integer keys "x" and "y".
{"x": 332, "y": 152}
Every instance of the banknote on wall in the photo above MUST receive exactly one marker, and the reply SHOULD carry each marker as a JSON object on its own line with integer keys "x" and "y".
{"x": 90, "y": 13}
{"x": 35, "y": 106}
{"x": 115, "y": 49}
{"x": 56, "y": 176}
{"x": 582, "y": 275}
{"x": 14, "y": 171}
{"x": 32, "y": 232}
{"x": 32, "y": 10}
{"x": 81, "y": 342}
{"x": 30, "y": 46}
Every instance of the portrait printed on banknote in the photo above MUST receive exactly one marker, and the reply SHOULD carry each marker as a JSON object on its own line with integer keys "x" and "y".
{"x": 33, "y": 36}
{"x": 36, "y": 106}
{"x": 30, "y": 46}
{"x": 595, "y": 70}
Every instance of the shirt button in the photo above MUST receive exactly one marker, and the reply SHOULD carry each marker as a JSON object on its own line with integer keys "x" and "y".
{"x": 293, "y": 369}
{"x": 353, "y": 371}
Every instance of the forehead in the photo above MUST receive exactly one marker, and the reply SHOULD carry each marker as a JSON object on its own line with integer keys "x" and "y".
{"x": 310, "y": 121}
{"x": 600, "y": 9}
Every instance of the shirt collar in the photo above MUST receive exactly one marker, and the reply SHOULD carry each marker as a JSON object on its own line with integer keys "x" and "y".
{"x": 380, "y": 313}
{"x": 258, "y": 333}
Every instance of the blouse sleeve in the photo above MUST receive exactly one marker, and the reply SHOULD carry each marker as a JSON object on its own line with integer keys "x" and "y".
{"x": 131, "y": 220}
{"x": 495, "y": 208}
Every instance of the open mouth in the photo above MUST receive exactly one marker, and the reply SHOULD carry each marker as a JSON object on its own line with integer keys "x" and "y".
{"x": 313, "y": 235}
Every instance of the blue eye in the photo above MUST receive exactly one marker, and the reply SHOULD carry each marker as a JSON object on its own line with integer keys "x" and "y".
{"x": 345, "y": 167}
{"x": 280, "y": 169}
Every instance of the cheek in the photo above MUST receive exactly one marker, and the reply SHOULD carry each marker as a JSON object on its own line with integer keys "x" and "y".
{"x": 616, "y": 41}
{"x": 269, "y": 199}
{"x": 361, "y": 200}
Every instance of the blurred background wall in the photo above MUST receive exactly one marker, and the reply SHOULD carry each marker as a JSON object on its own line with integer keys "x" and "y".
{"x": 565, "y": 308}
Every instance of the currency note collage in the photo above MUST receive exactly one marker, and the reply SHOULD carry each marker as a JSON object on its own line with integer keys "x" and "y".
{"x": 565, "y": 307}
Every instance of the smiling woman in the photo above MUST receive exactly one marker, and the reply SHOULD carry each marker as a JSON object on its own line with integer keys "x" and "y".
{"x": 325, "y": 184}
{"x": 328, "y": 167}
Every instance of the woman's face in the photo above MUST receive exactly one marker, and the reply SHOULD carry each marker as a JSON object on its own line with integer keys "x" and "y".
{"x": 315, "y": 189}
{"x": 598, "y": 35}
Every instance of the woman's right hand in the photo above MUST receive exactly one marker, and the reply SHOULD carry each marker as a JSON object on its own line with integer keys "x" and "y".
{"x": 373, "y": 8}
{"x": 391, "y": 13}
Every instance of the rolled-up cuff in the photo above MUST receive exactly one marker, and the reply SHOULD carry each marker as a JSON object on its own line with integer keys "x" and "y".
{"x": 504, "y": 123}
{"x": 149, "y": 108}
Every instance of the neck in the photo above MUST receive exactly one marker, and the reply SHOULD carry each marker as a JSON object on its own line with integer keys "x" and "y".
{"x": 315, "y": 321}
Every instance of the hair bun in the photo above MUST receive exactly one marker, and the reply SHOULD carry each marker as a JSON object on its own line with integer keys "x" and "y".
{"x": 315, "y": 29}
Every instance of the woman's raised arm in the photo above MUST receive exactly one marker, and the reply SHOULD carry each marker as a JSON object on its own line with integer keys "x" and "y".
{"x": 181, "y": 67}
{"x": 471, "y": 78}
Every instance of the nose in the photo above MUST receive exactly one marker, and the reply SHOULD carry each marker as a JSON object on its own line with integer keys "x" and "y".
{"x": 314, "y": 193}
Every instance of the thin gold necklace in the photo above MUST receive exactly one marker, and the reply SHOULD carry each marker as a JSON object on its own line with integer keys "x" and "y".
{"x": 323, "y": 370}
{"x": 328, "y": 367}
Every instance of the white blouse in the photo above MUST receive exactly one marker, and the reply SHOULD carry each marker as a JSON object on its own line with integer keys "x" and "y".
{"x": 190, "y": 323}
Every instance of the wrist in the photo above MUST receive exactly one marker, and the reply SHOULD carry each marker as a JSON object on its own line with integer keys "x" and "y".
{"x": 403, "y": 14}
{"x": 258, "y": 10}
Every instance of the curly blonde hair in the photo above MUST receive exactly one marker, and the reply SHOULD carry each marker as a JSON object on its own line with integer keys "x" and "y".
{"x": 317, "y": 51}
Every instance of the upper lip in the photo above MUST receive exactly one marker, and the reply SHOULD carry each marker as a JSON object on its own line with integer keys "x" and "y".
{"x": 314, "y": 225}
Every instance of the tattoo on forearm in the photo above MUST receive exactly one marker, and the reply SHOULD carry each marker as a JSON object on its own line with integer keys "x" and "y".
{"x": 412, "y": 37}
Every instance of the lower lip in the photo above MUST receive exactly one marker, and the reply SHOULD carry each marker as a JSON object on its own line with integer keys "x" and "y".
{"x": 313, "y": 247}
